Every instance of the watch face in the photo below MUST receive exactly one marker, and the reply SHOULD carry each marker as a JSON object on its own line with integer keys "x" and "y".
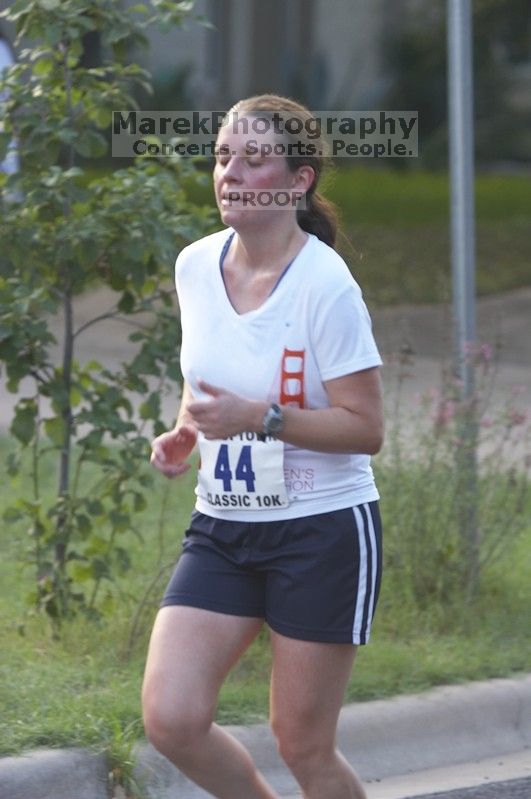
{"x": 276, "y": 423}
{"x": 273, "y": 420}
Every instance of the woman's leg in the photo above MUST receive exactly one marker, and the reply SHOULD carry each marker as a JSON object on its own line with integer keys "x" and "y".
{"x": 308, "y": 685}
{"x": 190, "y": 653}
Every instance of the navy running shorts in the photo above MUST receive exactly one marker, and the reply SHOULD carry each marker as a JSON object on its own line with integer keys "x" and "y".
{"x": 315, "y": 578}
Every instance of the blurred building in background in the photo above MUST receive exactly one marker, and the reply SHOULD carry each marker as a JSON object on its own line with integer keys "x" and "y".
{"x": 326, "y": 53}
{"x": 347, "y": 54}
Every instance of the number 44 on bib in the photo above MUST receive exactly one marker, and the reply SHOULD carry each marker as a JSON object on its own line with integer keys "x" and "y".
{"x": 247, "y": 475}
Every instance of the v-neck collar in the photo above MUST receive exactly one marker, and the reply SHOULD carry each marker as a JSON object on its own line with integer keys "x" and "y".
{"x": 254, "y": 311}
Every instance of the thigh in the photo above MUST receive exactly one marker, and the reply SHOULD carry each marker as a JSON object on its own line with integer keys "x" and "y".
{"x": 190, "y": 653}
{"x": 308, "y": 685}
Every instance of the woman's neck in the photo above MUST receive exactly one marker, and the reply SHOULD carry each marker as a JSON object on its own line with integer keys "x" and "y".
{"x": 264, "y": 248}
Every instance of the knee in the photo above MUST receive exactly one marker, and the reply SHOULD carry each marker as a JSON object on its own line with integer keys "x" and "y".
{"x": 174, "y": 727}
{"x": 300, "y": 746}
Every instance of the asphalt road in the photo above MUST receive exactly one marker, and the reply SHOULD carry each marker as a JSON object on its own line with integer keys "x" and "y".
{"x": 514, "y": 789}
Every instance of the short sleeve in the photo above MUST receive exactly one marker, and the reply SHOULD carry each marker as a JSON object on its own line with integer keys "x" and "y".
{"x": 342, "y": 337}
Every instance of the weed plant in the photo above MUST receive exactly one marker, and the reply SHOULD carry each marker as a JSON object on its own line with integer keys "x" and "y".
{"x": 421, "y": 482}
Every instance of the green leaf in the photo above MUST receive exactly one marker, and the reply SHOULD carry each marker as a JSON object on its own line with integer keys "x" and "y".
{"x": 12, "y": 514}
{"x": 95, "y": 507}
{"x": 100, "y": 569}
{"x": 139, "y": 502}
{"x": 123, "y": 559}
{"x": 150, "y": 409}
{"x": 75, "y": 397}
{"x": 102, "y": 117}
{"x": 90, "y": 144}
{"x": 97, "y": 546}
{"x": 84, "y": 524}
{"x": 23, "y": 425}
{"x": 127, "y": 302}
{"x": 55, "y": 430}
{"x": 81, "y": 572}
{"x": 120, "y": 521}
{"x": 92, "y": 366}
{"x": 67, "y": 135}
{"x": 52, "y": 32}
{"x": 13, "y": 464}
{"x": 32, "y": 507}
{"x": 43, "y": 66}
{"x": 118, "y": 282}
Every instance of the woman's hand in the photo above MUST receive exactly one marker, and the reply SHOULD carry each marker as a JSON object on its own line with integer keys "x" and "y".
{"x": 225, "y": 414}
{"x": 170, "y": 450}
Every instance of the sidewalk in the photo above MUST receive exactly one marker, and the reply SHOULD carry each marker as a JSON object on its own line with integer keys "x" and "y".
{"x": 400, "y": 747}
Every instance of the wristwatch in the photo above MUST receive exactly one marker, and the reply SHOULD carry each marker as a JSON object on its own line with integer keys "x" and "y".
{"x": 273, "y": 422}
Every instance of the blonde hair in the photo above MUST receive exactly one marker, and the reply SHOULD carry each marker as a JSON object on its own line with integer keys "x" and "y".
{"x": 320, "y": 215}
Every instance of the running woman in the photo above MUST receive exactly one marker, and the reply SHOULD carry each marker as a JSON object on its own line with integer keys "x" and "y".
{"x": 282, "y": 395}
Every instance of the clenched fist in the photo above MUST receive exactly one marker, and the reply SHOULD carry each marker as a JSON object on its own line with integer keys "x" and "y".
{"x": 170, "y": 450}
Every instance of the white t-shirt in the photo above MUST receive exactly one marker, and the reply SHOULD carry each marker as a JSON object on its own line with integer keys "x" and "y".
{"x": 313, "y": 327}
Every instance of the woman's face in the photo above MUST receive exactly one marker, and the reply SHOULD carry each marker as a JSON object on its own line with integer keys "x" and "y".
{"x": 252, "y": 177}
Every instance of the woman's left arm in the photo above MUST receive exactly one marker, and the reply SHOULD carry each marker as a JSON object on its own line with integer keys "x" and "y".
{"x": 353, "y": 422}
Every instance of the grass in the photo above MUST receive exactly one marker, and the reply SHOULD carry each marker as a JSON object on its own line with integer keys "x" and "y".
{"x": 397, "y": 230}
{"x": 415, "y": 198}
{"x": 78, "y": 690}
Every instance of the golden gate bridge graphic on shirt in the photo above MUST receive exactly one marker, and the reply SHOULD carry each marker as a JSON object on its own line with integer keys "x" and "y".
{"x": 292, "y": 378}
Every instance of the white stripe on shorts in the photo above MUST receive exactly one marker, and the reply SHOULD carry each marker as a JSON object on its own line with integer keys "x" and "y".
{"x": 368, "y": 554}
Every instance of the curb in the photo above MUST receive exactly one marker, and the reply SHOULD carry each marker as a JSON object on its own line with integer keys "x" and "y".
{"x": 445, "y": 726}
{"x": 54, "y": 774}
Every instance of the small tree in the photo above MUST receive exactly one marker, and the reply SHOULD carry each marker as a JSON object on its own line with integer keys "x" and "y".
{"x": 62, "y": 232}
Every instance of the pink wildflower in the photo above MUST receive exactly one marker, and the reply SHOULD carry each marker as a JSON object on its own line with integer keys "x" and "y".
{"x": 516, "y": 417}
{"x": 445, "y": 412}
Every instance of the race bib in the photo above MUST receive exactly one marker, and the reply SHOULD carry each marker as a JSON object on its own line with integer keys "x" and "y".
{"x": 242, "y": 472}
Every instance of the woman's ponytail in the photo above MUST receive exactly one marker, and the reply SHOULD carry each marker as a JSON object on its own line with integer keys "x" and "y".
{"x": 319, "y": 217}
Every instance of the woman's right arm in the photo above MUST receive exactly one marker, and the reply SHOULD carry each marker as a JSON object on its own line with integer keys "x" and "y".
{"x": 183, "y": 417}
{"x": 170, "y": 450}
